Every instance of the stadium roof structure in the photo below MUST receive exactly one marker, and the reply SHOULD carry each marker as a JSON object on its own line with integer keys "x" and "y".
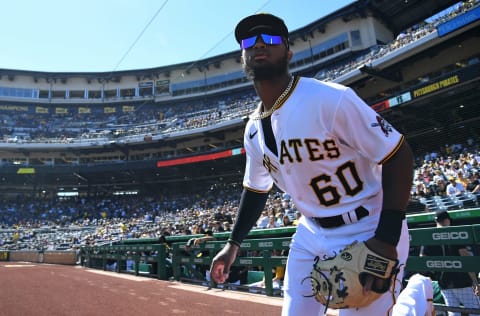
{"x": 401, "y": 14}
{"x": 398, "y": 15}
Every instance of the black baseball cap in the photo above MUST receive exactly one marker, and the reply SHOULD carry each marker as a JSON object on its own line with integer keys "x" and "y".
{"x": 258, "y": 23}
{"x": 441, "y": 215}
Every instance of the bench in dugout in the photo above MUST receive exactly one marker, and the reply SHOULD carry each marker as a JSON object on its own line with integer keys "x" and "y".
{"x": 182, "y": 261}
{"x": 143, "y": 268}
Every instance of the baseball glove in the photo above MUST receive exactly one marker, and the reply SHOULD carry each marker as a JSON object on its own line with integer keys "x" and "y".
{"x": 337, "y": 281}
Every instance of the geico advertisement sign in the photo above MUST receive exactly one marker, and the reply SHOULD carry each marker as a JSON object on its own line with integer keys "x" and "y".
{"x": 450, "y": 235}
{"x": 449, "y": 264}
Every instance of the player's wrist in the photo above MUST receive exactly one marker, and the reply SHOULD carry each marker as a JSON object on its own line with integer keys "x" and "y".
{"x": 381, "y": 247}
{"x": 234, "y": 242}
{"x": 389, "y": 226}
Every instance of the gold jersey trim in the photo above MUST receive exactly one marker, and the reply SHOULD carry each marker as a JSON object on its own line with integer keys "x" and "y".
{"x": 393, "y": 152}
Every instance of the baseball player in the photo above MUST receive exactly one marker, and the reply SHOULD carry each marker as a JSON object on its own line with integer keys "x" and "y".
{"x": 348, "y": 171}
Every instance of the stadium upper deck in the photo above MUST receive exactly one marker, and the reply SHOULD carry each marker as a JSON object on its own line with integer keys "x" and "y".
{"x": 351, "y": 30}
{"x": 106, "y": 130}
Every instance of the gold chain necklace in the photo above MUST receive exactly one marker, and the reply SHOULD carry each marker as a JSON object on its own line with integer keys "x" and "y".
{"x": 262, "y": 115}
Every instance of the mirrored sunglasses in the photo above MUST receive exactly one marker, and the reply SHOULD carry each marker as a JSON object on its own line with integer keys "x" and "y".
{"x": 266, "y": 38}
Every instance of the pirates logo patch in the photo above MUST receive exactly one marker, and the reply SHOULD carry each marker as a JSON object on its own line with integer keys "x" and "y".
{"x": 384, "y": 125}
{"x": 268, "y": 164}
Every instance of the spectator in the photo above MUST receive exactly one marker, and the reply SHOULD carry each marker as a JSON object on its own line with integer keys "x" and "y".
{"x": 449, "y": 169}
{"x": 462, "y": 179}
{"x": 272, "y": 222}
{"x": 217, "y": 227}
{"x": 454, "y": 188}
{"x": 196, "y": 229}
{"x": 263, "y": 220}
{"x": 287, "y": 207}
{"x": 298, "y": 216}
{"x": 438, "y": 175}
{"x": 420, "y": 188}
{"x": 473, "y": 184}
{"x": 440, "y": 187}
{"x": 227, "y": 226}
{"x": 286, "y": 221}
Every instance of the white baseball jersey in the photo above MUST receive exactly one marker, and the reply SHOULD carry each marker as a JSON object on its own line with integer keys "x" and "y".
{"x": 330, "y": 148}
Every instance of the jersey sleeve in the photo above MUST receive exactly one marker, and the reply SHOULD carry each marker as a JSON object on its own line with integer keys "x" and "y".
{"x": 256, "y": 177}
{"x": 363, "y": 129}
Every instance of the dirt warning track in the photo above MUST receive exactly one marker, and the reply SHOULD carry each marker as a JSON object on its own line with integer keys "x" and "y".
{"x": 42, "y": 289}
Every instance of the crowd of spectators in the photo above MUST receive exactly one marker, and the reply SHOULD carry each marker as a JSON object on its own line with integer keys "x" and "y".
{"x": 447, "y": 179}
{"x": 405, "y": 38}
{"x": 147, "y": 119}
{"x": 87, "y": 221}
{"x": 46, "y": 224}
{"x": 452, "y": 172}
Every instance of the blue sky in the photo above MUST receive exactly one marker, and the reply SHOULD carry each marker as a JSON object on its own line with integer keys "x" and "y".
{"x": 110, "y": 35}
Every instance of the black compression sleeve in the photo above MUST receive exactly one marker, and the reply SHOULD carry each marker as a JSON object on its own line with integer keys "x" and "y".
{"x": 249, "y": 210}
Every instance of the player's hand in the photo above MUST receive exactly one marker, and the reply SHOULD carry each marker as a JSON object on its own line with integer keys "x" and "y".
{"x": 476, "y": 289}
{"x": 196, "y": 241}
{"x": 384, "y": 249}
{"x": 220, "y": 267}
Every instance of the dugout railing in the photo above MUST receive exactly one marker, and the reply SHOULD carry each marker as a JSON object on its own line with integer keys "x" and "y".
{"x": 159, "y": 261}
{"x": 452, "y": 235}
{"x": 145, "y": 259}
{"x": 253, "y": 254}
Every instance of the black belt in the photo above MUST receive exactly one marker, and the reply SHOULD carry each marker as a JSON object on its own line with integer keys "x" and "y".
{"x": 337, "y": 220}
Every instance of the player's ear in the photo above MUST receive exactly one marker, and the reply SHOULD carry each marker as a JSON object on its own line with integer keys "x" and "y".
{"x": 289, "y": 55}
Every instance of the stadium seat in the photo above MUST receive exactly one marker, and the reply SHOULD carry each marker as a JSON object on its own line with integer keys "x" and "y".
{"x": 469, "y": 200}
{"x": 434, "y": 203}
{"x": 254, "y": 276}
{"x": 144, "y": 268}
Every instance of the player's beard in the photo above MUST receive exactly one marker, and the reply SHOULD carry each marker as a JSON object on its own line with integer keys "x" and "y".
{"x": 267, "y": 71}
